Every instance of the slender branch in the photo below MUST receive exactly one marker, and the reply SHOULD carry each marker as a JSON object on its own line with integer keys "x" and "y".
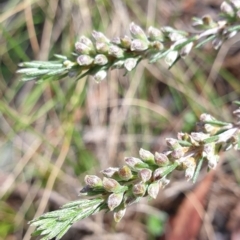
{"x": 96, "y": 57}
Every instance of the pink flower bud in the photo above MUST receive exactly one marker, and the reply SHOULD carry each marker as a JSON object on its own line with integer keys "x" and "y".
{"x": 93, "y": 181}
{"x": 114, "y": 200}
{"x": 84, "y": 60}
{"x": 137, "y": 32}
{"x": 161, "y": 159}
{"x": 153, "y": 189}
{"x": 145, "y": 174}
{"x": 138, "y": 45}
{"x": 139, "y": 189}
{"x": 100, "y": 59}
{"x": 119, "y": 215}
{"x": 125, "y": 173}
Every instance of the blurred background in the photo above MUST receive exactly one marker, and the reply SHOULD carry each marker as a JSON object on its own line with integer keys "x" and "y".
{"x": 54, "y": 133}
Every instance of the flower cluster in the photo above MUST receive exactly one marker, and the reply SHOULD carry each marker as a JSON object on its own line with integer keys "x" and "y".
{"x": 146, "y": 175}
{"x": 96, "y": 57}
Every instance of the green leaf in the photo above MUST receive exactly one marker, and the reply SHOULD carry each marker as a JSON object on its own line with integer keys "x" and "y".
{"x": 197, "y": 171}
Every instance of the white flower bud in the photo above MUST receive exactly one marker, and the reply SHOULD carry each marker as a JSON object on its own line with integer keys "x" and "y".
{"x": 84, "y": 60}
{"x": 115, "y": 51}
{"x": 155, "y": 34}
{"x": 171, "y": 58}
{"x": 100, "y": 37}
{"x": 100, "y": 75}
{"x": 138, "y": 45}
{"x": 227, "y": 9}
{"x": 146, "y": 156}
{"x": 100, "y": 59}
{"x": 236, "y": 3}
{"x": 86, "y": 41}
{"x": 114, "y": 200}
{"x": 186, "y": 50}
{"x": 153, "y": 189}
{"x": 119, "y": 215}
{"x": 137, "y": 32}
{"x": 130, "y": 64}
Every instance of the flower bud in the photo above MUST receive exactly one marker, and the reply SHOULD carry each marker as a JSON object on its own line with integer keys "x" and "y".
{"x": 100, "y": 59}
{"x": 139, "y": 189}
{"x": 227, "y": 9}
{"x": 212, "y": 161}
{"x": 173, "y": 143}
{"x": 100, "y": 37}
{"x": 209, "y": 152}
{"x": 119, "y": 215}
{"x": 138, "y": 45}
{"x": 199, "y": 136}
{"x": 225, "y": 136}
{"x": 145, "y": 174}
{"x": 135, "y": 163}
{"x": 137, "y": 32}
{"x": 130, "y": 64}
{"x": 84, "y": 60}
{"x": 100, "y": 75}
{"x": 114, "y": 200}
{"x": 236, "y": 3}
{"x": 209, "y": 149}
{"x": 179, "y": 152}
{"x": 164, "y": 182}
{"x": 153, "y": 189}
{"x": 115, "y": 51}
{"x": 189, "y": 173}
{"x": 125, "y": 173}
{"x": 159, "y": 173}
{"x": 110, "y": 172}
{"x": 86, "y": 41}
{"x": 186, "y": 50}
{"x": 161, "y": 159}
{"x": 155, "y": 34}
{"x": 126, "y": 42}
{"x": 156, "y": 45}
{"x": 118, "y": 64}
{"x": 82, "y": 48}
{"x": 102, "y": 47}
{"x": 171, "y": 58}
{"x": 146, "y": 156}
{"x": 93, "y": 181}
{"x": 175, "y": 36}
{"x": 111, "y": 185}
{"x": 116, "y": 41}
